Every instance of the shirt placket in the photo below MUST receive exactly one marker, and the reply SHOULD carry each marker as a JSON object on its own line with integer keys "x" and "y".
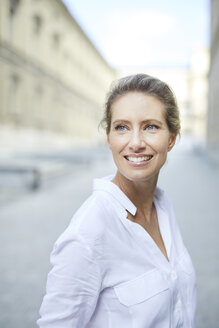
{"x": 146, "y": 243}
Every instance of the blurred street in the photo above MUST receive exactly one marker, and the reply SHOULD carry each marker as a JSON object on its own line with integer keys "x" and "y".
{"x": 32, "y": 219}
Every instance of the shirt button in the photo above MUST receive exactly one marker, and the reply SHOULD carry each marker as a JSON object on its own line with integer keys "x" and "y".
{"x": 173, "y": 275}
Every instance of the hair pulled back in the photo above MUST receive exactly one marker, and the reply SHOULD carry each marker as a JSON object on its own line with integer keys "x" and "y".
{"x": 150, "y": 86}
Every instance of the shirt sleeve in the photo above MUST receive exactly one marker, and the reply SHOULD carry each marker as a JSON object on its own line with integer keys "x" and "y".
{"x": 73, "y": 286}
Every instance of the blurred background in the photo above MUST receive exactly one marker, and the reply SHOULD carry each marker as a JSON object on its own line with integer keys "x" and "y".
{"x": 57, "y": 61}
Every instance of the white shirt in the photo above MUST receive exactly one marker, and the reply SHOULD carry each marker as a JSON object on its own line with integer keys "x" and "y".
{"x": 108, "y": 272}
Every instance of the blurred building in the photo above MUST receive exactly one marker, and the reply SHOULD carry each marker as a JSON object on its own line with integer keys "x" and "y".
{"x": 213, "y": 110}
{"x": 52, "y": 76}
{"x": 197, "y": 110}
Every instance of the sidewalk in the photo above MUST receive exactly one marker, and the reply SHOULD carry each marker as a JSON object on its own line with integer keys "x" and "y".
{"x": 192, "y": 182}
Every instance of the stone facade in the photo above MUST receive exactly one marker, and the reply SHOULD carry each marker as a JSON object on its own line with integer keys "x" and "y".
{"x": 52, "y": 76}
{"x": 213, "y": 111}
{"x": 198, "y": 93}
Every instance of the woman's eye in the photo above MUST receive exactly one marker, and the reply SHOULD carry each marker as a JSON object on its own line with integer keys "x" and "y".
{"x": 120, "y": 127}
{"x": 152, "y": 127}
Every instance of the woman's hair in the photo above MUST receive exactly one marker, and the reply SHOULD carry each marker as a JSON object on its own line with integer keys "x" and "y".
{"x": 150, "y": 86}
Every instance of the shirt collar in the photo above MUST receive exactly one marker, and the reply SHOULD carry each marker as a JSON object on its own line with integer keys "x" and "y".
{"x": 106, "y": 184}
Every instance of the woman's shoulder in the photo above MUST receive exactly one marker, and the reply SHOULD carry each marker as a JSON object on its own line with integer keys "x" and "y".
{"x": 93, "y": 209}
{"x": 89, "y": 221}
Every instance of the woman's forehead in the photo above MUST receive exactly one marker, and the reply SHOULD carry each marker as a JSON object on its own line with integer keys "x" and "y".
{"x": 137, "y": 105}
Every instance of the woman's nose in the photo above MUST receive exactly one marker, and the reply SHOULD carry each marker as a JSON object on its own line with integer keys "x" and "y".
{"x": 137, "y": 141}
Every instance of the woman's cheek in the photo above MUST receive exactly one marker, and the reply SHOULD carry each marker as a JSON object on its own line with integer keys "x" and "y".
{"x": 153, "y": 139}
{"x": 158, "y": 139}
{"x": 119, "y": 141}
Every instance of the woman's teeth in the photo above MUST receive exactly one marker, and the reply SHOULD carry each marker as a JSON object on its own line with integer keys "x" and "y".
{"x": 138, "y": 159}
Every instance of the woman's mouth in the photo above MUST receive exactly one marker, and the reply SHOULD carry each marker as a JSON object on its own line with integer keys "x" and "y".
{"x": 138, "y": 159}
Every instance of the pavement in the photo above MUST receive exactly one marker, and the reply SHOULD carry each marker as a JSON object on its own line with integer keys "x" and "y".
{"x": 32, "y": 219}
{"x": 192, "y": 182}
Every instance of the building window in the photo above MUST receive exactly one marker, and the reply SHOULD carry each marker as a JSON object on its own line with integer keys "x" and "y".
{"x": 13, "y": 5}
{"x": 13, "y": 98}
{"x": 37, "y": 25}
{"x": 36, "y": 107}
{"x": 55, "y": 40}
{"x": 12, "y": 9}
{"x": 37, "y": 32}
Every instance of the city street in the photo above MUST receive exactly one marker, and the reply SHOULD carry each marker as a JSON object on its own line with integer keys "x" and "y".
{"x": 31, "y": 222}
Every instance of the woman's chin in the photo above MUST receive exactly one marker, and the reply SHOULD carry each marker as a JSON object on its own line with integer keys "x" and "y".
{"x": 138, "y": 176}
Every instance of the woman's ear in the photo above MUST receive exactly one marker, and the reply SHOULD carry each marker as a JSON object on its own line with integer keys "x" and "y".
{"x": 172, "y": 140}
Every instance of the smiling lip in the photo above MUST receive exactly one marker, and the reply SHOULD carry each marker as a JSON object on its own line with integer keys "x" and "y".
{"x": 138, "y": 159}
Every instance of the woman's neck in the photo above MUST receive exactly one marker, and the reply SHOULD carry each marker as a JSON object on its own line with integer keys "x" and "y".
{"x": 141, "y": 193}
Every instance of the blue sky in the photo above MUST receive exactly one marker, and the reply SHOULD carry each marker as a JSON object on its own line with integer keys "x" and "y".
{"x": 144, "y": 32}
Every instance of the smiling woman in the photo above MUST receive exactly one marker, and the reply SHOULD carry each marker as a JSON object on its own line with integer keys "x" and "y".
{"x": 139, "y": 136}
{"x": 122, "y": 262}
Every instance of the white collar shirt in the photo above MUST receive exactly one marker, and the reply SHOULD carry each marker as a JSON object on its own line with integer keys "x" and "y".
{"x": 108, "y": 272}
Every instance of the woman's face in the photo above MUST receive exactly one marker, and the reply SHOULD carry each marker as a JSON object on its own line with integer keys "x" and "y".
{"x": 139, "y": 137}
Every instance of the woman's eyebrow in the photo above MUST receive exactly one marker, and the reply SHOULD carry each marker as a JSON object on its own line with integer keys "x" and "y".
{"x": 145, "y": 121}
{"x": 119, "y": 121}
{"x": 152, "y": 120}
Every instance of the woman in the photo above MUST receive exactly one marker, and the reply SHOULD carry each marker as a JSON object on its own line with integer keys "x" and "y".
{"x": 122, "y": 262}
